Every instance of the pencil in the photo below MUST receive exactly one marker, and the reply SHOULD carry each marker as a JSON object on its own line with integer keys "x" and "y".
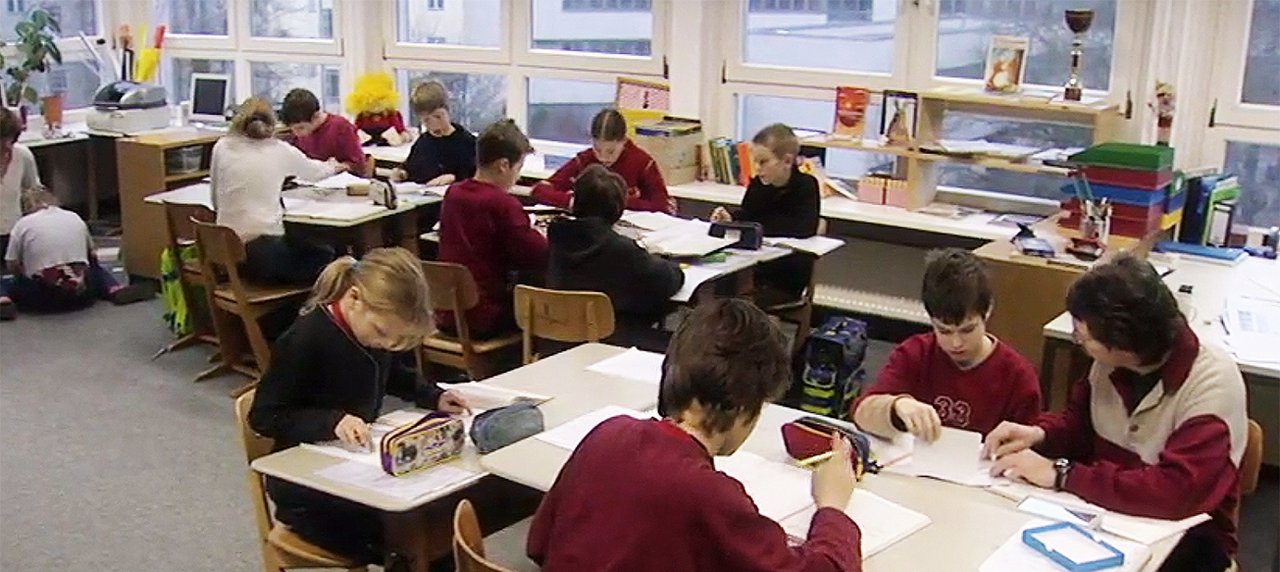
{"x": 815, "y": 459}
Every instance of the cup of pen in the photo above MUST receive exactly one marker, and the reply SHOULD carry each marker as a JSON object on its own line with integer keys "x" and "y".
{"x": 1095, "y": 224}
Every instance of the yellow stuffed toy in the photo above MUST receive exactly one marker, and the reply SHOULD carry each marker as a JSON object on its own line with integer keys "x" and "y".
{"x": 376, "y": 107}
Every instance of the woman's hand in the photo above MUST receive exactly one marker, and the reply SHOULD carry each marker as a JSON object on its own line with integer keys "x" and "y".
{"x": 453, "y": 403}
{"x": 352, "y": 431}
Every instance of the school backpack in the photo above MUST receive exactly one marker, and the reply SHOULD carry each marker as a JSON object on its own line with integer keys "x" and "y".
{"x": 833, "y": 374}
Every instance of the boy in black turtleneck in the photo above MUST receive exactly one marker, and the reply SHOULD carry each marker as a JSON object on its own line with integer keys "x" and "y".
{"x": 786, "y": 203}
{"x": 446, "y": 152}
{"x": 586, "y": 254}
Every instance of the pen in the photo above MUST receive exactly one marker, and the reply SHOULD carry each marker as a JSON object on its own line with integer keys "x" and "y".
{"x": 816, "y": 459}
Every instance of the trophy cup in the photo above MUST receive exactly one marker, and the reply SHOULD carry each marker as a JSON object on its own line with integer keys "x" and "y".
{"x": 1079, "y": 22}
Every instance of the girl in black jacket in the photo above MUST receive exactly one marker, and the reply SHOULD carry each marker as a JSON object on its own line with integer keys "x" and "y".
{"x": 351, "y": 345}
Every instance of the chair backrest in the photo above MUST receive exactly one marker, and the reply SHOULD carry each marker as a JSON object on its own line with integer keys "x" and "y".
{"x": 468, "y": 542}
{"x": 254, "y": 446}
{"x": 1251, "y": 463}
{"x": 562, "y": 315}
{"x": 179, "y": 219}
{"x": 221, "y": 253}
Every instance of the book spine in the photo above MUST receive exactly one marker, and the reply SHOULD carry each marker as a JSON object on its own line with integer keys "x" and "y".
{"x": 744, "y": 163}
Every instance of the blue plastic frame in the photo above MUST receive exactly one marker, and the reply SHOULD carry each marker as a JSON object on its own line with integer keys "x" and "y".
{"x": 1115, "y": 560}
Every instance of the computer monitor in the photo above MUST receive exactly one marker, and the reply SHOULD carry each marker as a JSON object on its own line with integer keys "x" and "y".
{"x": 210, "y": 96}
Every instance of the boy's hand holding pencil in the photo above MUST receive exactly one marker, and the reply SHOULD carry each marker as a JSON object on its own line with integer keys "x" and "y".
{"x": 834, "y": 478}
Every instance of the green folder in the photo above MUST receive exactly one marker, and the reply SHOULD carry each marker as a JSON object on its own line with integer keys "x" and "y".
{"x": 1127, "y": 156}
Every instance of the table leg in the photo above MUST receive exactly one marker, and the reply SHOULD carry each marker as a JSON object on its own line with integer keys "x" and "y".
{"x": 406, "y": 224}
{"x": 92, "y": 175}
{"x": 417, "y": 537}
{"x": 370, "y": 237}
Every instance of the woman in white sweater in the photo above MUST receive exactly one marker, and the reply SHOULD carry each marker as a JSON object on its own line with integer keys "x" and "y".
{"x": 247, "y": 170}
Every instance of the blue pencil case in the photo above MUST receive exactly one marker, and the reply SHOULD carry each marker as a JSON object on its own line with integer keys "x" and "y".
{"x": 1072, "y": 547}
{"x": 1122, "y": 195}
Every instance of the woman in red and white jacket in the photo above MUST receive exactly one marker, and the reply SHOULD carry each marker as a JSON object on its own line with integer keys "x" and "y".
{"x": 646, "y": 190}
{"x": 1157, "y": 429}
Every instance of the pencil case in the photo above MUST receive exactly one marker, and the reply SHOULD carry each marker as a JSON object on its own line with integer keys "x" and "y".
{"x": 434, "y": 439}
{"x": 497, "y": 428}
{"x": 809, "y": 436}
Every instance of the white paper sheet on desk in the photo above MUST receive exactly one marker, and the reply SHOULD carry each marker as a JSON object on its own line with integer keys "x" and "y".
{"x": 408, "y": 188}
{"x": 816, "y": 245}
{"x": 955, "y": 457}
{"x": 1136, "y": 528}
{"x": 779, "y": 490}
{"x": 1015, "y": 556}
{"x": 338, "y": 181}
{"x": 652, "y": 221}
{"x": 882, "y": 522}
{"x": 694, "y": 276}
{"x": 409, "y": 487}
{"x": 568, "y": 435}
{"x": 380, "y": 427}
{"x": 685, "y": 245}
{"x": 889, "y": 452}
{"x": 1253, "y": 328}
{"x": 330, "y": 210}
{"x": 634, "y": 364}
{"x": 485, "y": 396}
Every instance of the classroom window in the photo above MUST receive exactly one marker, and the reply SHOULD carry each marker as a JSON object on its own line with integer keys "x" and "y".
{"x": 310, "y": 19}
{"x": 435, "y": 4}
{"x": 74, "y": 79}
{"x": 74, "y": 16}
{"x": 814, "y": 115}
{"x": 1258, "y": 167}
{"x": 272, "y": 80}
{"x": 469, "y": 23}
{"x": 1038, "y": 134}
{"x": 561, "y": 109}
{"x": 178, "y": 73}
{"x": 196, "y": 17}
{"x": 475, "y": 100}
{"x": 824, "y": 35}
{"x": 607, "y": 5}
{"x": 963, "y": 37}
{"x": 1262, "y": 59}
{"x": 604, "y": 27}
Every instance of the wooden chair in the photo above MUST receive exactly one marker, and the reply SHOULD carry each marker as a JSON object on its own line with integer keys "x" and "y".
{"x": 1251, "y": 462}
{"x": 221, "y": 254}
{"x": 182, "y": 233}
{"x": 800, "y": 310}
{"x": 468, "y": 542}
{"x": 454, "y": 289}
{"x": 281, "y": 548}
{"x": 563, "y": 316}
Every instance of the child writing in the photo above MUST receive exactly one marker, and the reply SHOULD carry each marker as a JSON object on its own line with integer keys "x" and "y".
{"x": 17, "y": 173}
{"x": 586, "y": 254}
{"x": 320, "y": 134}
{"x": 446, "y": 152}
{"x": 958, "y": 375}
{"x": 645, "y": 495}
{"x": 785, "y": 202}
{"x": 485, "y": 229}
{"x": 646, "y": 191}
{"x": 352, "y": 344}
{"x": 247, "y": 169}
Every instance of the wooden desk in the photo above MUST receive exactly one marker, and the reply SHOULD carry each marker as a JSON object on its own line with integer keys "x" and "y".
{"x": 968, "y": 523}
{"x": 415, "y": 528}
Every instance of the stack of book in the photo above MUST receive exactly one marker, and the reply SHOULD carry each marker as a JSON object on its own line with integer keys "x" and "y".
{"x": 1136, "y": 179}
{"x": 730, "y": 162}
{"x": 1210, "y": 209}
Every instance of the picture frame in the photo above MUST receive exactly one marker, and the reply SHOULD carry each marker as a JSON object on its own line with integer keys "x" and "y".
{"x": 1006, "y": 64}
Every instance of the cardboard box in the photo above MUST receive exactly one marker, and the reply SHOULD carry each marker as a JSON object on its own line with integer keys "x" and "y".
{"x": 674, "y": 145}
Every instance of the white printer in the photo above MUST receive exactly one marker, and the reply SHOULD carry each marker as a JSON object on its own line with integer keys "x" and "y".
{"x": 129, "y": 107}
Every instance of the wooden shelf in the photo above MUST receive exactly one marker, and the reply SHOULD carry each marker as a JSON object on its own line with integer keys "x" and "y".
{"x": 1031, "y": 102}
{"x": 183, "y": 177}
{"x": 989, "y": 162}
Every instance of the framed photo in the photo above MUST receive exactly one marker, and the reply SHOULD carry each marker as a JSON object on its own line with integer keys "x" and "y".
{"x": 898, "y": 117}
{"x": 1006, "y": 64}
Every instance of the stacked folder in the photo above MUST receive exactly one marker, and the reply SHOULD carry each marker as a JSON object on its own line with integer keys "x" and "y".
{"x": 1137, "y": 180}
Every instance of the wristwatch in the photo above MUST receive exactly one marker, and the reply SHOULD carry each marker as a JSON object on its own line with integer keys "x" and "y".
{"x": 1062, "y": 467}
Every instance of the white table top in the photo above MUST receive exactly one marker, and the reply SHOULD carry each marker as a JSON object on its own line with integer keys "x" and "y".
{"x": 576, "y": 391}
{"x": 968, "y": 523}
{"x": 1211, "y": 283}
{"x": 534, "y": 164}
{"x": 199, "y": 194}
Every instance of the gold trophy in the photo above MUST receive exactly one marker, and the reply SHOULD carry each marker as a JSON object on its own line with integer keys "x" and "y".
{"x": 1079, "y": 22}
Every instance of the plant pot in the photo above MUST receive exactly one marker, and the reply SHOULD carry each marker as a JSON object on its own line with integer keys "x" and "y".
{"x": 53, "y": 110}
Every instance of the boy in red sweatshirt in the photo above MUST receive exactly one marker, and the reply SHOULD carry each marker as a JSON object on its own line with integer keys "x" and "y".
{"x": 1157, "y": 429}
{"x": 319, "y": 134}
{"x": 644, "y": 495}
{"x": 646, "y": 191}
{"x": 485, "y": 229}
{"x": 958, "y": 375}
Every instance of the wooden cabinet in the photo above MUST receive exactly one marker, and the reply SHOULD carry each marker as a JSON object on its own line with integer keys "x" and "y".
{"x": 150, "y": 164}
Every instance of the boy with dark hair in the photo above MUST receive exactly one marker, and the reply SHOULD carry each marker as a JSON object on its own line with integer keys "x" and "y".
{"x": 586, "y": 254}
{"x": 485, "y": 229}
{"x": 320, "y": 134}
{"x": 1157, "y": 429}
{"x": 446, "y": 152}
{"x": 645, "y": 494}
{"x": 958, "y": 375}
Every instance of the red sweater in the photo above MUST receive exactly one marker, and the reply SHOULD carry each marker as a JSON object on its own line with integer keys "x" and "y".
{"x": 644, "y": 495}
{"x": 485, "y": 229}
{"x": 1002, "y": 387}
{"x": 1171, "y": 452}
{"x": 646, "y": 191}
{"x": 336, "y": 139}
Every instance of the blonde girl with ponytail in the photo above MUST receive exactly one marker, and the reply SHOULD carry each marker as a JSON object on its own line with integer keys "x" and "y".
{"x": 352, "y": 344}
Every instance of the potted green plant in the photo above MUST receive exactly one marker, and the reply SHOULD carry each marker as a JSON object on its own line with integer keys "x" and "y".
{"x": 37, "y": 44}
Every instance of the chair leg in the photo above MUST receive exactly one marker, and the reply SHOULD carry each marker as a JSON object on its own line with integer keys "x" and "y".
{"x": 257, "y": 341}
{"x": 243, "y": 389}
{"x": 270, "y": 559}
{"x": 178, "y": 344}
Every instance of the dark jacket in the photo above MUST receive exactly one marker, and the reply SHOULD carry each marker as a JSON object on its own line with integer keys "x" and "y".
{"x": 788, "y": 211}
{"x": 433, "y": 156}
{"x": 318, "y": 374}
{"x": 586, "y": 254}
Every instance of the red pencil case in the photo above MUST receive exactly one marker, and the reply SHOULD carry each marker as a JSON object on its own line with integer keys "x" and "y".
{"x": 809, "y": 436}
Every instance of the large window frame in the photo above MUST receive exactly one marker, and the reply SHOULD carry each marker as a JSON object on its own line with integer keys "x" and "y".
{"x": 72, "y": 50}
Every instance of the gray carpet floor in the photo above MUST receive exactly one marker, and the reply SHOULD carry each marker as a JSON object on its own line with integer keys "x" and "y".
{"x": 109, "y": 461}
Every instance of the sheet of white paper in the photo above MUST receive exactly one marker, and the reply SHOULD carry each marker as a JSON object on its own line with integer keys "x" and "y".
{"x": 568, "y": 435}
{"x": 380, "y": 427}
{"x": 1014, "y": 556}
{"x": 882, "y": 522}
{"x": 779, "y": 490}
{"x": 1018, "y": 491}
{"x": 339, "y": 181}
{"x": 685, "y": 245}
{"x": 891, "y": 452}
{"x": 694, "y": 276}
{"x": 407, "y": 188}
{"x": 409, "y": 487}
{"x": 1137, "y": 528}
{"x": 816, "y": 245}
{"x": 651, "y": 221}
{"x": 1045, "y": 508}
{"x": 634, "y": 364}
{"x": 955, "y": 457}
{"x": 485, "y": 396}
{"x": 331, "y": 210}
